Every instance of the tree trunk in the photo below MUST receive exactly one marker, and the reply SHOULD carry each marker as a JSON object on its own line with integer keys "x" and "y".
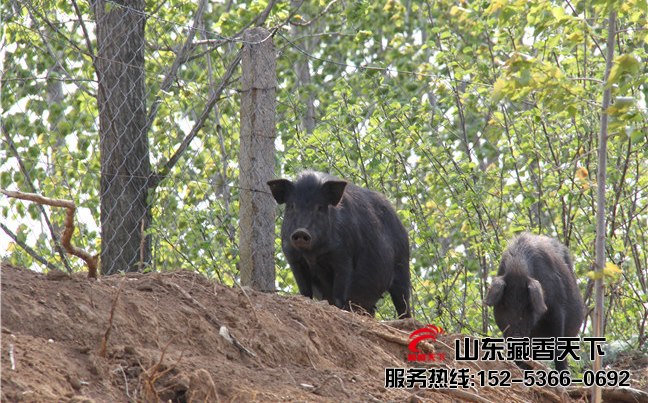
{"x": 302, "y": 72}
{"x": 125, "y": 164}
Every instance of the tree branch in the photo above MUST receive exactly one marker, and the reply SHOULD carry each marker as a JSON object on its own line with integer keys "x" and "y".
{"x": 91, "y": 261}
{"x": 25, "y": 173}
{"x": 56, "y": 59}
{"x": 309, "y": 22}
{"x": 164, "y": 171}
{"x": 27, "y": 249}
{"x": 258, "y": 21}
{"x": 85, "y": 30}
{"x": 31, "y": 9}
{"x": 168, "y": 80}
{"x": 179, "y": 60}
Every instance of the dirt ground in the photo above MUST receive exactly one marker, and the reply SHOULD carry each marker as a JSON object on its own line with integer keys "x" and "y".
{"x": 181, "y": 337}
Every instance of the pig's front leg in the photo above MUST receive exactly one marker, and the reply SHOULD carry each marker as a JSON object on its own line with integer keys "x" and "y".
{"x": 342, "y": 274}
{"x": 302, "y": 273}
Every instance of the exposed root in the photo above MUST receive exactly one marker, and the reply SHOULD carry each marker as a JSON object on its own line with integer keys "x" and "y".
{"x": 150, "y": 376}
{"x": 407, "y": 324}
{"x": 120, "y": 368}
{"x": 202, "y": 387}
{"x": 400, "y": 337}
{"x": 104, "y": 340}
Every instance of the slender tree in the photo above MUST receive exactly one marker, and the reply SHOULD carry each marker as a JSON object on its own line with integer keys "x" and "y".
{"x": 600, "y": 198}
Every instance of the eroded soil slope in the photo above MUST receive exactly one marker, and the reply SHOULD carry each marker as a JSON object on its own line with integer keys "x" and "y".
{"x": 179, "y": 336}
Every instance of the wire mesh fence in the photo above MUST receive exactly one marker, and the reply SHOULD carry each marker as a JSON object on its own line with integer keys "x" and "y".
{"x": 137, "y": 120}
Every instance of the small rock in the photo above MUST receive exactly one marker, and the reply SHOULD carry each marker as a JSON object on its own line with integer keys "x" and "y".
{"x": 76, "y": 385}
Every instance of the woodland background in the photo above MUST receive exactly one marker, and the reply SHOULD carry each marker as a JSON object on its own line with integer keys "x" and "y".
{"x": 477, "y": 119}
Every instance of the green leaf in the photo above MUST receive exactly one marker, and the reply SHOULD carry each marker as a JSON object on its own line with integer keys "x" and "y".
{"x": 624, "y": 64}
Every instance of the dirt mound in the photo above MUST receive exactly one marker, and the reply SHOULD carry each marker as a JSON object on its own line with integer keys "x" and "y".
{"x": 181, "y": 337}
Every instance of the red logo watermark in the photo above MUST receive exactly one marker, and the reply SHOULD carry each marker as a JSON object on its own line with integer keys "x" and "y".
{"x": 428, "y": 332}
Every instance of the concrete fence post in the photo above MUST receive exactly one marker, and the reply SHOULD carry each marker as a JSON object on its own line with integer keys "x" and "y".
{"x": 256, "y": 160}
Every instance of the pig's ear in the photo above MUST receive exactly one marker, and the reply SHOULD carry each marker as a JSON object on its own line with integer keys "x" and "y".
{"x": 333, "y": 191}
{"x": 536, "y": 295}
{"x": 280, "y": 189}
{"x": 495, "y": 291}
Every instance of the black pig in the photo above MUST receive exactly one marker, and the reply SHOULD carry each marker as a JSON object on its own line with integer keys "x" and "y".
{"x": 344, "y": 243}
{"x": 535, "y": 292}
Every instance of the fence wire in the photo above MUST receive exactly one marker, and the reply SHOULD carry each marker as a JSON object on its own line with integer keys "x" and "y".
{"x": 463, "y": 172}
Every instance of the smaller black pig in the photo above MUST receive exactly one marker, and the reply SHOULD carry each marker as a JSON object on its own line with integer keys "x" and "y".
{"x": 344, "y": 243}
{"x": 535, "y": 292}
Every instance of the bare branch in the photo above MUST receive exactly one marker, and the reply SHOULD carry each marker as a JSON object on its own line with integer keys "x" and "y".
{"x": 23, "y": 169}
{"x": 589, "y": 28}
{"x": 85, "y": 30}
{"x": 56, "y": 59}
{"x": 31, "y": 9}
{"x": 215, "y": 95}
{"x": 258, "y": 21}
{"x": 27, "y": 249}
{"x": 321, "y": 13}
{"x": 221, "y": 142}
{"x": 596, "y": 80}
{"x": 179, "y": 60}
{"x": 91, "y": 261}
{"x": 261, "y": 18}
{"x": 164, "y": 171}
{"x": 216, "y": 43}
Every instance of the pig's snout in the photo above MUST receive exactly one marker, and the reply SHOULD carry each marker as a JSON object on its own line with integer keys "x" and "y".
{"x": 301, "y": 238}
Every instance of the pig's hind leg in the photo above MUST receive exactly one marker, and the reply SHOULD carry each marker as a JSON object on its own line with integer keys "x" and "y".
{"x": 400, "y": 295}
{"x": 559, "y": 329}
{"x": 552, "y": 325}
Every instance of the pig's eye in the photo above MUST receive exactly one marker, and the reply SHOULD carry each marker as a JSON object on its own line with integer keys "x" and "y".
{"x": 321, "y": 208}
